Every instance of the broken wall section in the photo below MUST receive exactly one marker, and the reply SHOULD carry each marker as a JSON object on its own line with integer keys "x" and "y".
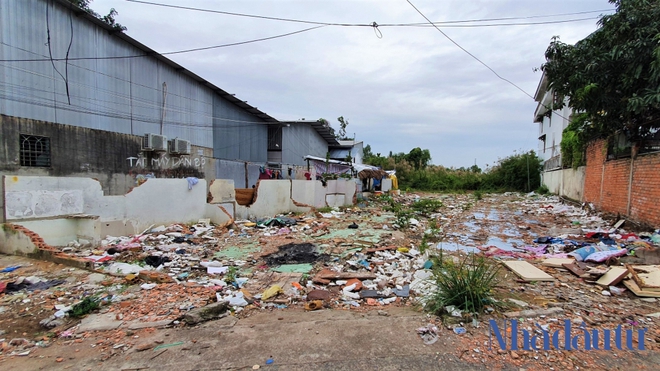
{"x": 64, "y": 209}
{"x": 116, "y": 160}
{"x": 283, "y": 196}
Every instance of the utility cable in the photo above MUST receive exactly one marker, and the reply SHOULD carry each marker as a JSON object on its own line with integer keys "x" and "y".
{"x": 50, "y": 50}
{"x": 66, "y": 63}
{"x": 166, "y": 53}
{"x": 353, "y": 24}
{"x": 468, "y": 53}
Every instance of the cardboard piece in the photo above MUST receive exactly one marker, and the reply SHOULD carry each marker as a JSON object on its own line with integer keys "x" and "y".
{"x": 632, "y": 286}
{"x": 647, "y": 277}
{"x": 557, "y": 262}
{"x": 613, "y": 276}
{"x": 527, "y": 271}
{"x": 576, "y": 270}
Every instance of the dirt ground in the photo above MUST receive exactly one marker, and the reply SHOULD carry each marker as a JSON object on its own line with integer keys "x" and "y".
{"x": 341, "y": 335}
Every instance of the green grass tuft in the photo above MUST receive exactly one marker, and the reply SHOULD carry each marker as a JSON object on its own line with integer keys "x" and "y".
{"x": 467, "y": 285}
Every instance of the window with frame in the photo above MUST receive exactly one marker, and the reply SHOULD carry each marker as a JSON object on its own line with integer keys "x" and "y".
{"x": 34, "y": 150}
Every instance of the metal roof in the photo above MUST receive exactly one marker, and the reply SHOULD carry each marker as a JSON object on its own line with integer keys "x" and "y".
{"x": 154, "y": 54}
{"x": 324, "y": 130}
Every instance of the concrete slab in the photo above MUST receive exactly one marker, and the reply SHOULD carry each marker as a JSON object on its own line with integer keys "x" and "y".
{"x": 95, "y": 278}
{"x": 99, "y": 322}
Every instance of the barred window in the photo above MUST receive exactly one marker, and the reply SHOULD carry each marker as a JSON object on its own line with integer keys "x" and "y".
{"x": 35, "y": 150}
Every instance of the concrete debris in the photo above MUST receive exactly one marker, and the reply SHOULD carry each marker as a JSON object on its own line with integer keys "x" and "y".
{"x": 206, "y": 313}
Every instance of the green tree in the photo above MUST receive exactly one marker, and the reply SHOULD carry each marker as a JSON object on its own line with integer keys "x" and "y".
{"x": 519, "y": 172}
{"x": 613, "y": 75}
{"x": 366, "y": 151}
{"x": 343, "y": 123}
{"x": 109, "y": 18}
{"x": 418, "y": 158}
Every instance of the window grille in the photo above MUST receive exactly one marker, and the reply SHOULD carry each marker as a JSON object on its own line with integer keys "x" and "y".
{"x": 35, "y": 150}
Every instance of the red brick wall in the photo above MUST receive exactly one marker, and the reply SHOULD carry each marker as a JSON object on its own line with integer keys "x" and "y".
{"x": 645, "y": 202}
{"x": 594, "y": 172}
{"x": 606, "y": 184}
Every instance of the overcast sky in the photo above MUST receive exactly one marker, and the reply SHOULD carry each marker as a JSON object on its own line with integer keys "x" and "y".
{"x": 410, "y": 88}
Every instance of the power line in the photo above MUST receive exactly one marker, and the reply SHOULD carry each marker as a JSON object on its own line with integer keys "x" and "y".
{"x": 468, "y": 53}
{"x": 252, "y": 15}
{"x": 371, "y": 24}
{"x": 501, "y": 24}
{"x": 290, "y": 34}
{"x": 166, "y": 53}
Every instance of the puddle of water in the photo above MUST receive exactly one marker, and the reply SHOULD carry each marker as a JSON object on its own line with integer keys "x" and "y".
{"x": 508, "y": 245}
{"x": 493, "y": 215}
{"x": 471, "y": 226}
{"x": 448, "y": 246}
{"x": 479, "y": 215}
{"x": 518, "y": 212}
{"x": 511, "y": 232}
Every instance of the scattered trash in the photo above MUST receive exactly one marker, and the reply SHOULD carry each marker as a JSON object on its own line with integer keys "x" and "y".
{"x": 459, "y": 330}
{"x": 10, "y": 269}
{"x": 429, "y": 334}
{"x": 163, "y": 346}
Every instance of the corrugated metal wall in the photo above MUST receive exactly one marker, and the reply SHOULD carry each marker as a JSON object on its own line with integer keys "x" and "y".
{"x": 238, "y": 135}
{"x": 226, "y": 169}
{"x": 120, "y": 95}
{"x": 300, "y": 140}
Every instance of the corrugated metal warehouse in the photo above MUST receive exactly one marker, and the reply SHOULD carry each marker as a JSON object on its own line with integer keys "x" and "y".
{"x": 114, "y": 83}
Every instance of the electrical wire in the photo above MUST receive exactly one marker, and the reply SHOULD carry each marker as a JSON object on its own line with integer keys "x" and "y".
{"x": 68, "y": 50}
{"x": 50, "y": 50}
{"x": 468, "y": 53}
{"x": 165, "y": 53}
{"x": 502, "y": 24}
{"x": 374, "y": 25}
{"x": 292, "y": 20}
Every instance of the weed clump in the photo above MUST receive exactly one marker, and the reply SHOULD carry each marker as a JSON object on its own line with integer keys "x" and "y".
{"x": 427, "y": 206}
{"x": 87, "y": 305}
{"x": 467, "y": 285}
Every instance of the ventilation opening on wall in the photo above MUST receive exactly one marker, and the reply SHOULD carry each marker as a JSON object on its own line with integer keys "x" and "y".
{"x": 34, "y": 150}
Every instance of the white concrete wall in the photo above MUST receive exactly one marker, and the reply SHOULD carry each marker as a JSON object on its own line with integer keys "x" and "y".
{"x": 273, "y": 197}
{"x": 15, "y": 243}
{"x": 222, "y": 190}
{"x": 277, "y": 196}
{"x": 157, "y": 201}
{"x": 166, "y": 201}
{"x": 566, "y": 182}
{"x": 304, "y": 192}
{"x": 59, "y": 232}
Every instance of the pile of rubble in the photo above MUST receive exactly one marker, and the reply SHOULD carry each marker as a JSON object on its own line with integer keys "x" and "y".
{"x": 568, "y": 260}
